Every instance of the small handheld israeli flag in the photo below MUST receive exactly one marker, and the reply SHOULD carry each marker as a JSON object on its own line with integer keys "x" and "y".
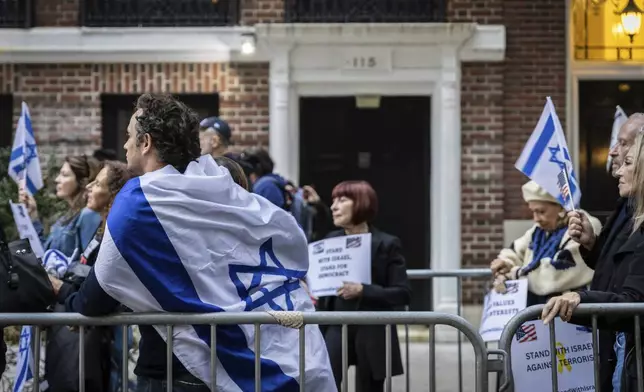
{"x": 546, "y": 155}
{"x": 24, "y": 164}
{"x": 23, "y": 371}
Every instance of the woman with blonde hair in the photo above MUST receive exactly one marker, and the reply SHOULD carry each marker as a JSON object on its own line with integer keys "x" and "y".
{"x": 626, "y": 283}
{"x": 545, "y": 255}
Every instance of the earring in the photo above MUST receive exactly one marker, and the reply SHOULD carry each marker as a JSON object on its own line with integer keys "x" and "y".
{"x": 562, "y": 214}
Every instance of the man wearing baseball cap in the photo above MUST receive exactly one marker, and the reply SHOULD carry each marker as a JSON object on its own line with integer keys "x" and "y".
{"x": 214, "y": 136}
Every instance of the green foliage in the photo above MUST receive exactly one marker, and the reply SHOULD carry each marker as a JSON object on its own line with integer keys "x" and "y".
{"x": 49, "y": 207}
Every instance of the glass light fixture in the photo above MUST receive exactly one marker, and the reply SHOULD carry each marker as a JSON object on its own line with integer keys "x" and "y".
{"x": 631, "y": 17}
{"x": 248, "y": 44}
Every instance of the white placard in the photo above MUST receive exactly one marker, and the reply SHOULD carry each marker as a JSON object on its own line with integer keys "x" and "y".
{"x": 26, "y": 228}
{"x": 531, "y": 357}
{"x": 336, "y": 260}
{"x": 499, "y": 308}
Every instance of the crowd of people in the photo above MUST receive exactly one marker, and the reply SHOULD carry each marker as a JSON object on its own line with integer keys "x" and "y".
{"x": 164, "y": 231}
{"x": 160, "y": 233}
{"x": 568, "y": 258}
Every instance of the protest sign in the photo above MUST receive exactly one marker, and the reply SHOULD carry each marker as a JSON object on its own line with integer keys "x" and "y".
{"x": 531, "y": 365}
{"x": 499, "y": 308}
{"x": 333, "y": 261}
{"x": 26, "y": 228}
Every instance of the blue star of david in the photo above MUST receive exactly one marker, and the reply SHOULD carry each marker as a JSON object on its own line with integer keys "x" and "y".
{"x": 23, "y": 344}
{"x": 553, "y": 156}
{"x": 291, "y": 280}
{"x": 31, "y": 153}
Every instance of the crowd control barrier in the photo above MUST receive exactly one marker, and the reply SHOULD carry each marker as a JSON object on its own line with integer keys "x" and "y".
{"x": 634, "y": 310}
{"x": 288, "y": 319}
{"x": 458, "y": 276}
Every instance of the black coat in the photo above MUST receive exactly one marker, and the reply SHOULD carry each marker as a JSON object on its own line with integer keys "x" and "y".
{"x": 601, "y": 258}
{"x": 389, "y": 290}
{"x": 625, "y": 285}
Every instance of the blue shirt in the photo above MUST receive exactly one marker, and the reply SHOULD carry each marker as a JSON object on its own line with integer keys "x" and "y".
{"x": 67, "y": 236}
{"x": 270, "y": 187}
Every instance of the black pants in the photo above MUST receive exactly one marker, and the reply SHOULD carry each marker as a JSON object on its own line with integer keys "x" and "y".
{"x": 364, "y": 378}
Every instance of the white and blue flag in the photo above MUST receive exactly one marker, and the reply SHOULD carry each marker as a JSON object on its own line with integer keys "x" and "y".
{"x": 197, "y": 242}
{"x": 618, "y": 120}
{"x": 546, "y": 154}
{"x": 24, "y": 164}
{"x": 23, "y": 367}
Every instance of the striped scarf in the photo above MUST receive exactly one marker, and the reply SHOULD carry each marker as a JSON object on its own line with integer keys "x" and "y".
{"x": 543, "y": 245}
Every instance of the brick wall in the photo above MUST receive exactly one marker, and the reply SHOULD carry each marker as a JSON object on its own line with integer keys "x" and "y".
{"x": 262, "y": 11}
{"x": 501, "y": 103}
{"x": 60, "y": 13}
{"x": 482, "y": 149}
{"x": 65, "y": 99}
{"x": 535, "y": 67}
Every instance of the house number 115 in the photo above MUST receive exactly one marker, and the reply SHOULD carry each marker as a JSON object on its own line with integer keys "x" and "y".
{"x": 364, "y": 62}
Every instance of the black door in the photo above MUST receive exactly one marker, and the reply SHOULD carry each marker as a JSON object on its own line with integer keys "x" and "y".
{"x": 117, "y": 110}
{"x": 388, "y": 147}
{"x": 597, "y": 102}
{"x": 6, "y": 120}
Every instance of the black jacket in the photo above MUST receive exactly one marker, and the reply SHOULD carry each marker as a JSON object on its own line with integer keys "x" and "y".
{"x": 601, "y": 258}
{"x": 389, "y": 291}
{"x": 625, "y": 285}
{"x": 91, "y": 300}
{"x": 606, "y": 244}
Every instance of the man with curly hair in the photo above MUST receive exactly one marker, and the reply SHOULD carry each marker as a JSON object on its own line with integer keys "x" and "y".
{"x": 181, "y": 238}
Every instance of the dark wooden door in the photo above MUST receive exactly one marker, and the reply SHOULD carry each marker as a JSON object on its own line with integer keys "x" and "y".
{"x": 597, "y": 102}
{"x": 117, "y": 109}
{"x": 6, "y": 120}
{"x": 389, "y": 148}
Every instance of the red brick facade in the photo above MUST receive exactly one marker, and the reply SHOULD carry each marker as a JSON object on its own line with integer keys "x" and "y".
{"x": 65, "y": 99}
{"x": 501, "y": 102}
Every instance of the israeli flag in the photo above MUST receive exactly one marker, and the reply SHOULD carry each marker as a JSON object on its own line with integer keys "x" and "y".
{"x": 23, "y": 370}
{"x": 546, "y": 154}
{"x": 199, "y": 243}
{"x": 56, "y": 262}
{"x": 24, "y": 164}
{"x": 618, "y": 120}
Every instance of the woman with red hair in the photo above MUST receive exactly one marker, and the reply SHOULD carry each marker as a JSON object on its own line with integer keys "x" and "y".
{"x": 355, "y": 205}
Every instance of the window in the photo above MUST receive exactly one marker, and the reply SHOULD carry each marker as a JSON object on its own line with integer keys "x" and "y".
{"x": 6, "y": 120}
{"x": 598, "y": 32}
{"x": 117, "y": 110}
{"x": 598, "y": 99}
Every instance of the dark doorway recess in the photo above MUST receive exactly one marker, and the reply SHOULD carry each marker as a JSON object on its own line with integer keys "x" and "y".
{"x": 387, "y": 146}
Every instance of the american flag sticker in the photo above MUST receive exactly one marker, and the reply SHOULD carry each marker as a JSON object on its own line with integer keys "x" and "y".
{"x": 511, "y": 287}
{"x": 354, "y": 242}
{"x": 318, "y": 248}
{"x": 562, "y": 182}
{"x": 527, "y": 333}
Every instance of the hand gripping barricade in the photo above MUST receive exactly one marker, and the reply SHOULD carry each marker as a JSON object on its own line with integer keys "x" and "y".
{"x": 593, "y": 311}
{"x": 295, "y": 320}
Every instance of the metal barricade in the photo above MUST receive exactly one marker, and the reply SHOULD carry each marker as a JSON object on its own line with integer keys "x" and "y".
{"x": 634, "y": 310}
{"x": 39, "y": 320}
{"x": 459, "y": 275}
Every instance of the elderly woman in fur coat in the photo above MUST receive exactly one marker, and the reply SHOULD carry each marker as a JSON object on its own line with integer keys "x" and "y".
{"x": 545, "y": 254}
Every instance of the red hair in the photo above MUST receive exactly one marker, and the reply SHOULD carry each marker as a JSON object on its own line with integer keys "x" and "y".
{"x": 365, "y": 200}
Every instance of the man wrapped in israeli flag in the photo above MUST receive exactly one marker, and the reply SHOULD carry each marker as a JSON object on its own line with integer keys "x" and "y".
{"x": 183, "y": 237}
